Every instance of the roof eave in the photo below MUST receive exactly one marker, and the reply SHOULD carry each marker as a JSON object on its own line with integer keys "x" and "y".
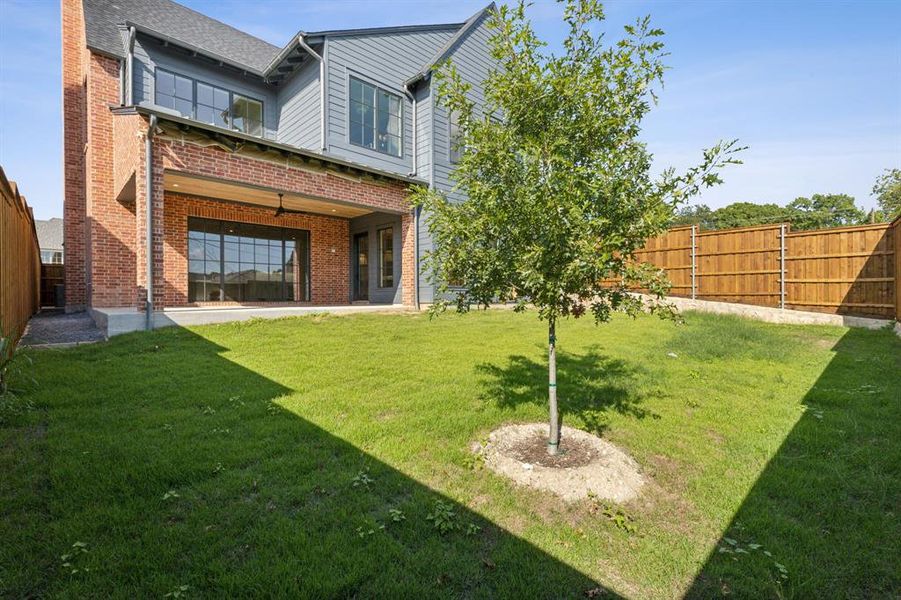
{"x": 321, "y": 156}
{"x": 188, "y": 46}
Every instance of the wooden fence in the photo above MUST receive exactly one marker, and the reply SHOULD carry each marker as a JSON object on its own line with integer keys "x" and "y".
{"x": 20, "y": 261}
{"x": 845, "y": 270}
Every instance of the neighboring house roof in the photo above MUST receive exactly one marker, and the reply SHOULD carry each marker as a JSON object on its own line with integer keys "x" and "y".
{"x": 50, "y": 233}
{"x": 448, "y": 47}
{"x": 103, "y": 19}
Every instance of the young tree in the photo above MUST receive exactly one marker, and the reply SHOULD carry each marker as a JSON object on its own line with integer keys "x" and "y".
{"x": 559, "y": 187}
{"x": 888, "y": 193}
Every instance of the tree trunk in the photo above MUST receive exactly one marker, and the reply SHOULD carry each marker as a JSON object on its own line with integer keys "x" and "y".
{"x": 553, "y": 441}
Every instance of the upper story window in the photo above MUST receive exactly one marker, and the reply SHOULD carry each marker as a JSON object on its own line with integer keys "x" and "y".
{"x": 209, "y": 103}
{"x": 455, "y": 138}
{"x": 375, "y": 118}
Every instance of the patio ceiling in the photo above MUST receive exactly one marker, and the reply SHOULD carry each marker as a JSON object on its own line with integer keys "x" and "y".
{"x": 183, "y": 183}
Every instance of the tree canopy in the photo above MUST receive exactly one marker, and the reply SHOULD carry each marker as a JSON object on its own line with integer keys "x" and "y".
{"x": 817, "y": 212}
{"x": 888, "y": 194}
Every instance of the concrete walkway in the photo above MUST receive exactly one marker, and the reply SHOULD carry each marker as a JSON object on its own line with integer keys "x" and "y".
{"x": 56, "y": 328}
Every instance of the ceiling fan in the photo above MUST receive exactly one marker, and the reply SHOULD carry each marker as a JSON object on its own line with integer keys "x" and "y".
{"x": 281, "y": 210}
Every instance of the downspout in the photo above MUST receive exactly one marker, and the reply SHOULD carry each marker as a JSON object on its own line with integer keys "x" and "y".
{"x": 148, "y": 151}
{"x": 415, "y": 208}
{"x": 322, "y": 87}
{"x": 128, "y": 84}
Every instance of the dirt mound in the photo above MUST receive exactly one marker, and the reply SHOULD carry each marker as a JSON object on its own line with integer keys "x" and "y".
{"x": 585, "y": 464}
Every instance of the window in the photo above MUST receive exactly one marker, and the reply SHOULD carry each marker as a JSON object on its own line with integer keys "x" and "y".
{"x": 241, "y": 262}
{"x": 386, "y": 258}
{"x": 375, "y": 118}
{"x": 454, "y": 137}
{"x": 208, "y": 103}
{"x": 175, "y": 92}
{"x": 212, "y": 104}
{"x": 51, "y": 257}
{"x": 247, "y": 115}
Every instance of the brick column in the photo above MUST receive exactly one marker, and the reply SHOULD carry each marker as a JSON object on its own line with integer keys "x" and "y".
{"x": 408, "y": 259}
{"x": 74, "y": 140}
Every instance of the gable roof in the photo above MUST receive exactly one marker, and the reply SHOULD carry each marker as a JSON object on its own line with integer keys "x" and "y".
{"x": 50, "y": 233}
{"x": 445, "y": 50}
{"x": 103, "y": 19}
{"x": 170, "y": 21}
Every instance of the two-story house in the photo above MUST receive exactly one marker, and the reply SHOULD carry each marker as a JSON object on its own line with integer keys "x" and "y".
{"x": 205, "y": 167}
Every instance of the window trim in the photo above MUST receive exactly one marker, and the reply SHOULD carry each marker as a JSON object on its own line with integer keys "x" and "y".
{"x": 379, "y": 249}
{"x": 351, "y": 75}
{"x": 194, "y": 102}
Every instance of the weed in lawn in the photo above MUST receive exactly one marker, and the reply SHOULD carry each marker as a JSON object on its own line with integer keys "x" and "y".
{"x": 443, "y": 517}
{"x": 396, "y": 515}
{"x": 363, "y": 480}
{"x": 70, "y": 559}
{"x": 179, "y": 592}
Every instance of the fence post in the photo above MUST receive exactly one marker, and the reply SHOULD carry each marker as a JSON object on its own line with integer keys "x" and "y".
{"x": 694, "y": 268}
{"x": 782, "y": 266}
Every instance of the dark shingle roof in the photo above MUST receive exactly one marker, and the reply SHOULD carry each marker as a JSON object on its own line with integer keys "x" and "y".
{"x": 103, "y": 18}
{"x": 50, "y": 233}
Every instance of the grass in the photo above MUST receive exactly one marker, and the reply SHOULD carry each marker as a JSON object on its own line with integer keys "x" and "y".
{"x": 319, "y": 456}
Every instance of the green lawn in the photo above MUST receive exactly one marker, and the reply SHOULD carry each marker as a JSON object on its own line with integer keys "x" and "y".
{"x": 304, "y": 456}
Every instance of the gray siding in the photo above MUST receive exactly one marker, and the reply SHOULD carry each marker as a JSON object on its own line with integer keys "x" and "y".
{"x": 473, "y": 61}
{"x": 298, "y": 107}
{"x": 386, "y": 60}
{"x": 150, "y": 54}
{"x": 371, "y": 224}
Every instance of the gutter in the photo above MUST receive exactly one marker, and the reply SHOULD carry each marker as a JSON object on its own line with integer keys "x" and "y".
{"x": 148, "y": 149}
{"x": 302, "y": 43}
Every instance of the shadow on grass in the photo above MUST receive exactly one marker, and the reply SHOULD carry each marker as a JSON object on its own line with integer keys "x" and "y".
{"x": 177, "y": 467}
{"x": 822, "y": 519}
{"x": 589, "y": 385}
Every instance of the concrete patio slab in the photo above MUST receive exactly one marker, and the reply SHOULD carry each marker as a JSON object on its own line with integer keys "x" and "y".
{"x": 116, "y": 321}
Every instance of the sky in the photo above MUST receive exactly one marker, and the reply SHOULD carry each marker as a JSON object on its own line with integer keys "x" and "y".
{"x": 812, "y": 88}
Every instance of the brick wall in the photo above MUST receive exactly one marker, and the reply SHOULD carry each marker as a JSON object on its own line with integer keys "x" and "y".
{"x": 74, "y": 139}
{"x": 215, "y": 162}
{"x": 112, "y": 253}
{"x": 329, "y": 245}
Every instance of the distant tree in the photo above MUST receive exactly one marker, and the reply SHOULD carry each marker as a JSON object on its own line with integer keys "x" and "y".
{"x": 559, "y": 192}
{"x": 824, "y": 210}
{"x": 747, "y": 214}
{"x": 694, "y": 215}
{"x": 888, "y": 194}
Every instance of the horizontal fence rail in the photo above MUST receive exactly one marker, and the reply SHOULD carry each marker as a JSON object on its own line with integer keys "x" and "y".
{"x": 20, "y": 262}
{"x": 843, "y": 270}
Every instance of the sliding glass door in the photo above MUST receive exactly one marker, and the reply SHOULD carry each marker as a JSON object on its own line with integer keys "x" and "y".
{"x": 242, "y": 262}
